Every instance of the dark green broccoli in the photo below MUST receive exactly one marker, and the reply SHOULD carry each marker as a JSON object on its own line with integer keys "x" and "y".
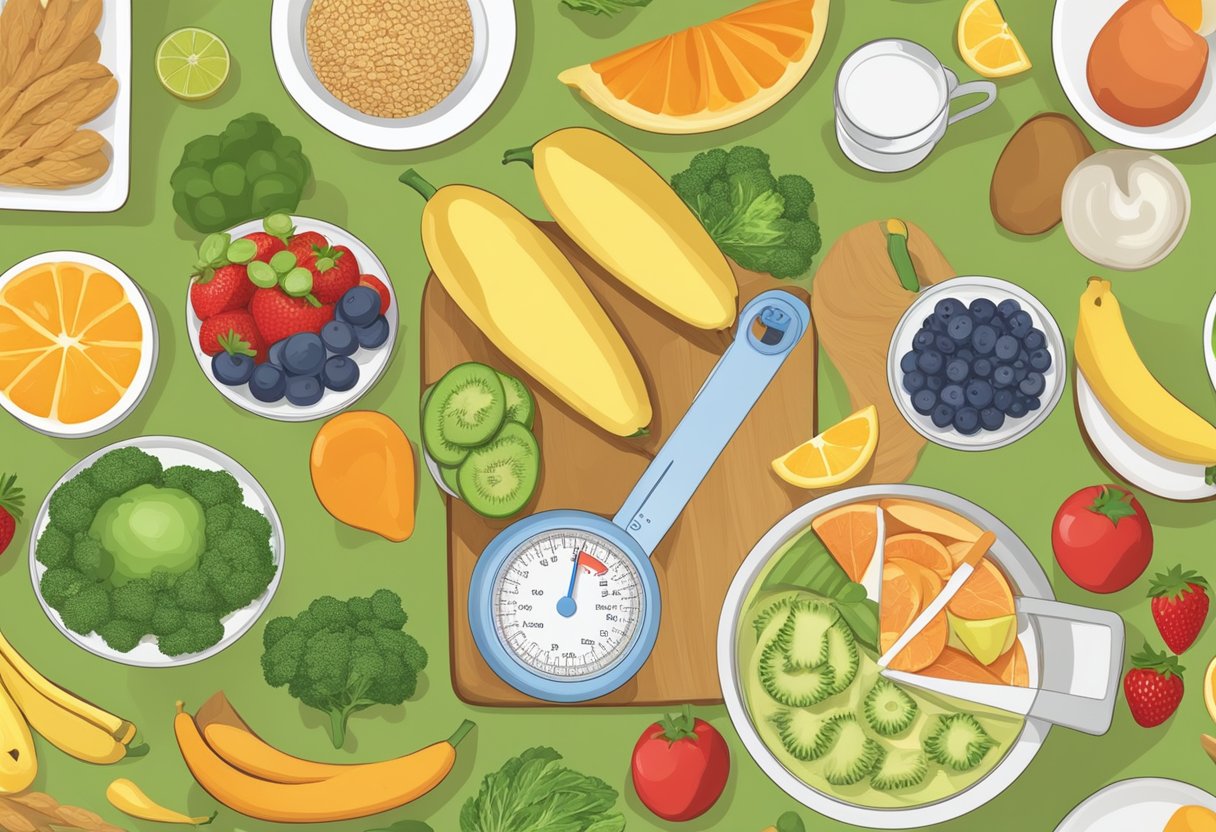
{"x": 120, "y": 470}
{"x": 59, "y": 583}
{"x": 121, "y": 635}
{"x": 167, "y": 618}
{"x": 87, "y": 610}
{"x": 90, "y": 558}
{"x": 54, "y": 547}
{"x": 218, "y": 520}
{"x": 210, "y": 488}
{"x": 238, "y": 567}
{"x": 251, "y": 521}
{"x": 134, "y": 601}
{"x": 199, "y": 631}
{"x": 342, "y": 656}
{"x": 194, "y": 593}
{"x": 761, "y": 222}
{"x": 73, "y": 505}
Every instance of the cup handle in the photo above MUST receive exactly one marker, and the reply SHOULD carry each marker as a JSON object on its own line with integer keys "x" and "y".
{"x": 957, "y": 90}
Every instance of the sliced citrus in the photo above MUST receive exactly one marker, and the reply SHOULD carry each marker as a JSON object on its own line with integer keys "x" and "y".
{"x": 926, "y": 579}
{"x": 901, "y": 601}
{"x": 833, "y": 457}
{"x": 1209, "y": 689}
{"x": 709, "y": 76}
{"x": 1011, "y": 667}
{"x": 986, "y": 42}
{"x": 987, "y": 639}
{"x": 849, "y": 533}
{"x": 986, "y": 594}
{"x": 923, "y": 650}
{"x": 930, "y": 519}
{"x": 958, "y": 666}
{"x": 192, "y": 63}
{"x": 922, "y": 549}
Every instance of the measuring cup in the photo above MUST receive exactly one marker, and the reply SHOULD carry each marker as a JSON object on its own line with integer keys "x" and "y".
{"x": 564, "y": 605}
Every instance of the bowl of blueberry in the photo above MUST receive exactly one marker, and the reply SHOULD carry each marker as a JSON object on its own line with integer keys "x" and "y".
{"x": 291, "y": 318}
{"x": 976, "y": 363}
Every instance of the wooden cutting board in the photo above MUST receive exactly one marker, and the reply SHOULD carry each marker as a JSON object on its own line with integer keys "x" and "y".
{"x": 857, "y": 303}
{"x": 586, "y": 468}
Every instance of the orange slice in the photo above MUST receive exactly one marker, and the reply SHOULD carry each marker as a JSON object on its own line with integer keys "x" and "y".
{"x": 833, "y": 457}
{"x": 958, "y": 666}
{"x": 986, "y": 594}
{"x": 849, "y": 533}
{"x": 930, "y": 519}
{"x": 1011, "y": 666}
{"x": 901, "y": 601}
{"x": 921, "y": 651}
{"x": 710, "y": 76}
{"x": 986, "y": 42}
{"x": 926, "y": 579}
{"x": 922, "y": 549}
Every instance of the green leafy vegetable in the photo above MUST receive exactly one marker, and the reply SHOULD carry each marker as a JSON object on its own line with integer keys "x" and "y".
{"x": 534, "y": 792}
{"x": 760, "y": 221}
{"x": 790, "y": 822}
{"x": 605, "y": 7}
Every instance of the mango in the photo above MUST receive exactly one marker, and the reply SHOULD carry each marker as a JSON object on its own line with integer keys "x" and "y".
{"x": 362, "y": 468}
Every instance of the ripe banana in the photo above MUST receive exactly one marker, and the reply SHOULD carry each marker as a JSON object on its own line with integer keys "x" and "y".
{"x": 127, "y": 797}
{"x": 18, "y": 763}
{"x": 1129, "y": 392}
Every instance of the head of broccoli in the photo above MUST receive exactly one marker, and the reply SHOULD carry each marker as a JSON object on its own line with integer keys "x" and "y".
{"x": 342, "y": 656}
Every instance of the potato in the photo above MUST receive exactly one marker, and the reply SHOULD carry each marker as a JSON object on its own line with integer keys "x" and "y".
{"x": 1029, "y": 177}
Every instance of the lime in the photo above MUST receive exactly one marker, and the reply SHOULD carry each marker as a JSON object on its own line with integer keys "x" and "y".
{"x": 192, "y": 63}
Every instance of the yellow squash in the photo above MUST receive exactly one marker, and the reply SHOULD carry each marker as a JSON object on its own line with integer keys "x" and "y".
{"x": 521, "y": 292}
{"x": 618, "y": 210}
{"x": 130, "y": 799}
{"x": 18, "y": 762}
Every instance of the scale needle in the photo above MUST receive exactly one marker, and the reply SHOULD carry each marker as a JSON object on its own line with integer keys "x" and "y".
{"x": 566, "y": 605}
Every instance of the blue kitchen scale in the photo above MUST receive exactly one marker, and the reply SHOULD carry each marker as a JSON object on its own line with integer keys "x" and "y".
{"x": 564, "y": 605}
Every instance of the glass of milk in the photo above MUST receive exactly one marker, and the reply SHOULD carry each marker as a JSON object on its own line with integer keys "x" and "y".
{"x": 893, "y": 104}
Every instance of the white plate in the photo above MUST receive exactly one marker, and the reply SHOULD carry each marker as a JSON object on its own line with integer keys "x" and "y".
{"x": 170, "y": 450}
{"x": 1076, "y": 24}
{"x": 1143, "y": 804}
{"x": 1015, "y": 560}
{"x": 372, "y": 363}
{"x": 1209, "y": 349}
{"x": 1132, "y": 461}
{"x": 967, "y": 289}
{"x": 147, "y": 359}
{"x": 493, "y": 52}
{"x": 108, "y": 193}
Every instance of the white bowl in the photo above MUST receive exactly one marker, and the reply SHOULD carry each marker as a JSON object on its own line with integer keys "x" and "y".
{"x": 170, "y": 450}
{"x": 967, "y": 289}
{"x": 1145, "y": 803}
{"x": 372, "y": 363}
{"x": 493, "y": 52}
{"x": 147, "y": 358}
{"x": 1076, "y": 24}
{"x": 1209, "y": 348}
{"x": 1015, "y": 560}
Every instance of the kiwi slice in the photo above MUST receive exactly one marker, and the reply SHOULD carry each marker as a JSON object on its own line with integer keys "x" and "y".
{"x": 469, "y": 403}
{"x": 441, "y": 450}
{"x": 499, "y": 478}
{"x": 521, "y": 407}
{"x": 451, "y": 478}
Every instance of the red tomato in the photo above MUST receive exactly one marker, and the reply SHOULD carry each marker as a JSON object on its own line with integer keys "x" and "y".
{"x": 1102, "y": 538}
{"x": 680, "y": 766}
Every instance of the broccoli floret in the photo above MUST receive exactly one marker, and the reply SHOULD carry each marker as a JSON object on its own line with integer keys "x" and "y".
{"x": 74, "y": 504}
{"x": 54, "y": 547}
{"x": 90, "y": 558}
{"x": 238, "y": 567}
{"x": 210, "y": 488}
{"x": 342, "y": 656}
{"x": 167, "y": 618}
{"x": 787, "y": 263}
{"x": 120, "y": 634}
{"x": 59, "y": 583}
{"x": 798, "y": 194}
{"x": 199, "y": 631}
{"x": 217, "y": 519}
{"x": 194, "y": 593}
{"x": 119, "y": 471}
{"x": 87, "y": 610}
{"x": 710, "y": 164}
{"x": 134, "y": 601}
{"x": 251, "y": 520}
{"x": 753, "y": 184}
{"x": 742, "y": 158}
{"x": 804, "y": 235}
{"x": 689, "y": 185}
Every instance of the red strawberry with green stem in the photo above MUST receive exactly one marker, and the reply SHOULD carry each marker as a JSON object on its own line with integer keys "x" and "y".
{"x": 12, "y": 505}
{"x": 268, "y": 245}
{"x": 1153, "y": 687}
{"x": 232, "y": 328}
{"x": 334, "y": 269}
{"x": 305, "y": 242}
{"x": 220, "y": 290}
{"x": 279, "y": 316}
{"x": 1180, "y": 607}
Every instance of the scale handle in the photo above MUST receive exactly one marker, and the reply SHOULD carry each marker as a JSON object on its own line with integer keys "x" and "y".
{"x": 769, "y": 328}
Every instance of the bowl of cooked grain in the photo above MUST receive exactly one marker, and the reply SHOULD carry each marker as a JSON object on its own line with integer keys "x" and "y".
{"x": 394, "y": 75}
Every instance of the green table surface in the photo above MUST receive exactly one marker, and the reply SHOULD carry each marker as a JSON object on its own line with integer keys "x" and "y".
{"x": 358, "y": 189}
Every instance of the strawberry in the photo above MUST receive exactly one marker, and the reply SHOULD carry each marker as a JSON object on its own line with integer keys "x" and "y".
{"x": 231, "y": 328}
{"x": 215, "y": 291}
{"x": 268, "y": 245}
{"x": 1153, "y": 687}
{"x": 12, "y": 503}
{"x": 279, "y": 316}
{"x": 386, "y": 300}
{"x": 1180, "y": 607}
{"x": 305, "y": 242}
{"x": 334, "y": 270}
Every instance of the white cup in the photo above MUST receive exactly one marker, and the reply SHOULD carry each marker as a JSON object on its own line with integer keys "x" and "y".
{"x": 893, "y": 104}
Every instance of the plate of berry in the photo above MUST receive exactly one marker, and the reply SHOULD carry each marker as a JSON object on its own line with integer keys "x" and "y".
{"x": 290, "y": 318}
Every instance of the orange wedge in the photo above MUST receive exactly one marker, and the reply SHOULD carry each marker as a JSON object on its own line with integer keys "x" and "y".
{"x": 1011, "y": 666}
{"x": 986, "y": 42}
{"x": 929, "y": 519}
{"x": 833, "y": 457}
{"x": 71, "y": 342}
{"x": 922, "y": 549}
{"x": 960, "y": 667}
{"x": 986, "y": 594}
{"x": 849, "y": 533}
{"x": 709, "y": 76}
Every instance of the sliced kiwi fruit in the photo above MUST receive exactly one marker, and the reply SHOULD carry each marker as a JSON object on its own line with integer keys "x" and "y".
{"x": 451, "y": 478}
{"x": 499, "y": 478}
{"x": 521, "y": 407}
{"x": 469, "y": 404}
{"x": 442, "y": 451}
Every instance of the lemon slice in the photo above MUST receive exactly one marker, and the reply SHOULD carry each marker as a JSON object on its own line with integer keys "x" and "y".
{"x": 1209, "y": 690}
{"x": 192, "y": 63}
{"x": 834, "y": 456}
{"x": 987, "y": 43}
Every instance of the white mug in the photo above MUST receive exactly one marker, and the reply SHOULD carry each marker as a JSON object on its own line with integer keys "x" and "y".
{"x": 893, "y": 104}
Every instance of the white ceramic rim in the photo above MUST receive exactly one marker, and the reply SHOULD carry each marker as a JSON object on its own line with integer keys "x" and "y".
{"x": 110, "y": 191}
{"x": 1209, "y": 349}
{"x": 1115, "y": 794}
{"x": 238, "y": 622}
{"x": 1009, "y": 552}
{"x": 372, "y": 363}
{"x": 493, "y": 23}
{"x": 1012, "y": 430}
{"x": 149, "y": 351}
{"x": 1065, "y": 45}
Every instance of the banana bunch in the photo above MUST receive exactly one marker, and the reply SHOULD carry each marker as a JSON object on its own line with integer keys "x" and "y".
{"x": 1130, "y": 393}
{"x": 74, "y": 726}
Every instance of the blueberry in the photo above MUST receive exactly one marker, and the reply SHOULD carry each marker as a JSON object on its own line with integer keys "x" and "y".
{"x": 957, "y": 370}
{"x": 1034, "y": 340}
{"x": 1019, "y": 364}
{"x": 983, "y": 339}
{"x": 947, "y": 308}
{"x": 304, "y": 391}
{"x": 1034, "y": 403}
{"x": 935, "y": 383}
{"x": 232, "y": 370}
{"x": 930, "y": 362}
{"x": 982, "y": 368}
{"x": 276, "y": 353}
{"x": 945, "y": 345}
{"x": 340, "y": 373}
{"x": 914, "y": 381}
{"x": 924, "y": 401}
{"x": 965, "y": 354}
{"x": 924, "y": 340}
{"x": 991, "y": 418}
{"x": 999, "y": 324}
{"x": 1020, "y": 324}
{"x": 339, "y": 338}
{"x": 1007, "y": 307}
{"x": 908, "y": 362}
{"x": 1003, "y": 376}
{"x": 267, "y": 384}
{"x": 1033, "y": 384}
{"x": 943, "y": 416}
{"x": 303, "y": 354}
{"x": 1020, "y": 374}
{"x": 374, "y": 334}
{"x": 953, "y": 395}
{"x": 983, "y": 310}
{"x": 979, "y": 394}
{"x": 360, "y": 305}
{"x": 960, "y": 327}
{"x": 1023, "y": 358}
{"x": 1017, "y": 409}
{"x": 1001, "y": 399}
{"x": 967, "y": 421}
{"x": 932, "y": 324}
{"x": 1040, "y": 360}
{"x": 1007, "y": 347}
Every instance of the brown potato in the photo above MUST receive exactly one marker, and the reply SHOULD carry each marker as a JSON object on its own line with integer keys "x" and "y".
{"x": 1029, "y": 177}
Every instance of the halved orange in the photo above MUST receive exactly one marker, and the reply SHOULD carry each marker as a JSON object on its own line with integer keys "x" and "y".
{"x": 986, "y": 42}
{"x": 986, "y": 594}
{"x": 71, "y": 342}
{"x": 710, "y": 76}
{"x": 849, "y": 533}
{"x": 922, "y": 549}
{"x": 833, "y": 457}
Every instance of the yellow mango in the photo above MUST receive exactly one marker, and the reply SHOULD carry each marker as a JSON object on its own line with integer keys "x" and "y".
{"x": 362, "y": 468}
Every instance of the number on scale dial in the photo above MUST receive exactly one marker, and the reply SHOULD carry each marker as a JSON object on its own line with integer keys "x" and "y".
{"x": 567, "y": 604}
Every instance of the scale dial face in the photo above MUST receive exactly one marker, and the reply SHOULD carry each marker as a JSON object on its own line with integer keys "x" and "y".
{"x": 567, "y": 604}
